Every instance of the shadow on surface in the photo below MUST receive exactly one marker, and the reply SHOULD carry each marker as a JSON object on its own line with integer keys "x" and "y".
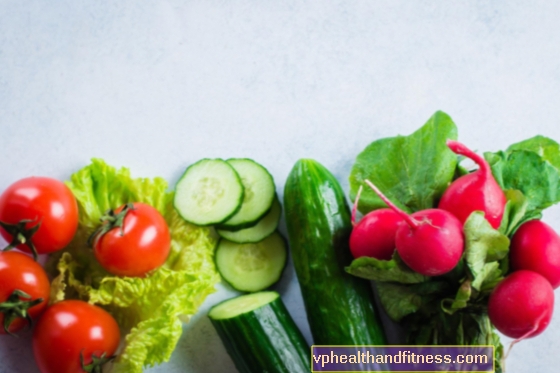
{"x": 200, "y": 349}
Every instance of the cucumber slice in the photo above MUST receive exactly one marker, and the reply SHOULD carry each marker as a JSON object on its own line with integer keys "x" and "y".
{"x": 264, "y": 227}
{"x": 260, "y": 335}
{"x": 259, "y": 194}
{"x": 252, "y": 266}
{"x": 209, "y": 192}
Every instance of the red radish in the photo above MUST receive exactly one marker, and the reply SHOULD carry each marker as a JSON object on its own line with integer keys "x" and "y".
{"x": 477, "y": 191}
{"x": 430, "y": 241}
{"x": 521, "y": 305}
{"x": 536, "y": 246}
{"x": 374, "y": 235}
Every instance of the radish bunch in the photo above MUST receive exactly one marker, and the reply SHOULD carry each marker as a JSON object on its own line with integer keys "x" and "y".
{"x": 431, "y": 242}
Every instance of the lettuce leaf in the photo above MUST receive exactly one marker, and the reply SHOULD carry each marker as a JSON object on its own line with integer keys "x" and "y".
{"x": 149, "y": 310}
{"x": 412, "y": 171}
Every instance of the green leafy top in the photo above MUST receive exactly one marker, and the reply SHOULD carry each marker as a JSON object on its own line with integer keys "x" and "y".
{"x": 149, "y": 309}
{"x": 546, "y": 148}
{"x": 413, "y": 171}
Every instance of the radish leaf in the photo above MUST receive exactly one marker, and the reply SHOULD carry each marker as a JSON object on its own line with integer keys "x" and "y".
{"x": 411, "y": 170}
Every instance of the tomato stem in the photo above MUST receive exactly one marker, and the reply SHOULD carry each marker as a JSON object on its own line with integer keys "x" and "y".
{"x": 21, "y": 235}
{"x": 15, "y": 307}
{"x": 110, "y": 220}
{"x": 97, "y": 362}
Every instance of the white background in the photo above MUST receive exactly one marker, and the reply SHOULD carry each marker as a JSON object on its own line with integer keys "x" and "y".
{"x": 157, "y": 85}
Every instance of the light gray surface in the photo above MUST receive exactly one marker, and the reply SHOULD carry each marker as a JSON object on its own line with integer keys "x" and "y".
{"x": 157, "y": 85}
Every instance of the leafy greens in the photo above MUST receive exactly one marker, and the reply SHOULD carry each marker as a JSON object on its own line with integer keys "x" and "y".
{"x": 413, "y": 171}
{"x": 149, "y": 310}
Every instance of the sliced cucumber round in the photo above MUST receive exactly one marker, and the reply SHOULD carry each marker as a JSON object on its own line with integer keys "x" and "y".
{"x": 264, "y": 227}
{"x": 259, "y": 194}
{"x": 209, "y": 192}
{"x": 252, "y": 267}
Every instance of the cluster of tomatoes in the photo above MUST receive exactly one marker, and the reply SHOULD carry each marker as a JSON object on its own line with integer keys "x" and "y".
{"x": 39, "y": 215}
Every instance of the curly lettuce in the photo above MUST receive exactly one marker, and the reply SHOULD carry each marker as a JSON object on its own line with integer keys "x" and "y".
{"x": 149, "y": 310}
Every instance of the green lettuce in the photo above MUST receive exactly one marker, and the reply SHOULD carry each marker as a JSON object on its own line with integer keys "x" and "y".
{"x": 149, "y": 310}
{"x": 412, "y": 171}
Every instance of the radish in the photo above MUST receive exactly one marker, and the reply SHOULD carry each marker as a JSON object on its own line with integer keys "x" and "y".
{"x": 521, "y": 305}
{"x": 477, "y": 191}
{"x": 429, "y": 241}
{"x": 374, "y": 235}
{"x": 536, "y": 246}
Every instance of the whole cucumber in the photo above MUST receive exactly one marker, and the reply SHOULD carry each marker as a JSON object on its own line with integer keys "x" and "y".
{"x": 340, "y": 307}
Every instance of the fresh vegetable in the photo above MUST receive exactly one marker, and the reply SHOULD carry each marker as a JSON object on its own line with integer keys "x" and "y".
{"x": 531, "y": 170}
{"x": 431, "y": 242}
{"x": 74, "y": 336}
{"x": 374, "y": 235}
{"x": 521, "y": 305}
{"x": 132, "y": 241}
{"x": 413, "y": 170}
{"x": 209, "y": 192}
{"x": 252, "y": 266}
{"x": 259, "y": 334}
{"x": 264, "y": 227}
{"x": 475, "y": 191}
{"x": 149, "y": 310}
{"x": 536, "y": 246}
{"x": 24, "y": 291}
{"x": 38, "y": 215}
{"x": 340, "y": 307}
{"x": 258, "y": 197}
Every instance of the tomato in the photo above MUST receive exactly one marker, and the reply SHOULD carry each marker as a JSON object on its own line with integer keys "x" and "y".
{"x": 71, "y": 330}
{"x": 42, "y": 204}
{"x": 134, "y": 241}
{"x": 24, "y": 290}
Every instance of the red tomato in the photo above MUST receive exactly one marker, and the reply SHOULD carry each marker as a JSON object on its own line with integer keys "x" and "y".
{"x": 140, "y": 245}
{"x": 39, "y": 202}
{"x": 70, "y": 330}
{"x": 18, "y": 272}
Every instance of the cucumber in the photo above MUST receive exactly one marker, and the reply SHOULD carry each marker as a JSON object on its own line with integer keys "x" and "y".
{"x": 260, "y": 335}
{"x": 252, "y": 267}
{"x": 259, "y": 194}
{"x": 340, "y": 307}
{"x": 209, "y": 192}
{"x": 264, "y": 227}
